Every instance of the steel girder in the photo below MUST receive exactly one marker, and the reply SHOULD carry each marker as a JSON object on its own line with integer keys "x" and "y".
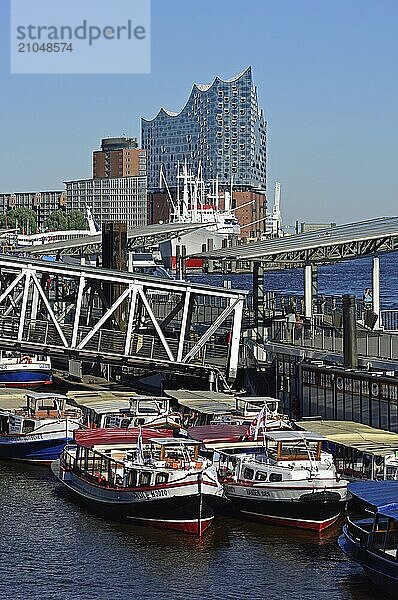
{"x": 117, "y": 317}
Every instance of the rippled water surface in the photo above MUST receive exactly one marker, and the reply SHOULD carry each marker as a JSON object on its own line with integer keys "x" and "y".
{"x": 53, "y": 549}
{"x": 350, "y": 277}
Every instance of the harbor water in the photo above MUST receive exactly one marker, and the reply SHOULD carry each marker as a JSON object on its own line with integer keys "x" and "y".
{"x": 351, "y": 277}
{"x": 54, "y": 549}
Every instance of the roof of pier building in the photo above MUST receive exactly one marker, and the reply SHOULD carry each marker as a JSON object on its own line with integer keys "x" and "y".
{"x": 344, "y": 242}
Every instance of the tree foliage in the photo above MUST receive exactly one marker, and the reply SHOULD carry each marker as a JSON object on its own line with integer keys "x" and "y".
{"x": 59, "y": 220}
{"x": 23, "y": 219}
{"x": 77, "y": 220}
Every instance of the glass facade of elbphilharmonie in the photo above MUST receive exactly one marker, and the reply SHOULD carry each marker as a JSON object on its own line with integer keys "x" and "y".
{"x": 221, "y": 128}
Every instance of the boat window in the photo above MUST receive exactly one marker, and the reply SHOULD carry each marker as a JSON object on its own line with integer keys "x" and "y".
{"x": 139, "y": 422}
{"x": 28, "y": 426}
{"x": 161, "y": 478}
{"x": 145, "y": 478}
{"x": 385, "y": 538}
{"x": 248, "y": 473}
{"x": 3, "y": 424}
{"x": 275, "y": 477}
{"x": 261, "y": 476}
{"x": 132, "y": 479}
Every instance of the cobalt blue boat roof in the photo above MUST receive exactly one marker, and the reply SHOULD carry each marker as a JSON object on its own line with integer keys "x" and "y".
{"x": 380, "y": 495}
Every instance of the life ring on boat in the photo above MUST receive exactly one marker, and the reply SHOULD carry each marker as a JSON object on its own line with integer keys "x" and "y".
{"x": 26, "y": 360}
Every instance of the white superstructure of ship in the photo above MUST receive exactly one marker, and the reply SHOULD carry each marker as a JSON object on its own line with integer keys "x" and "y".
{"x": 199, "y": 202}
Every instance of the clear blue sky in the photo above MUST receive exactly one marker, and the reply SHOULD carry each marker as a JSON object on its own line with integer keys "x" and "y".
{"x": 326, "y": 73}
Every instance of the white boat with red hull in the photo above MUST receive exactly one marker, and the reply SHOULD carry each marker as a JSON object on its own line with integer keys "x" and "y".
{"x": 290, "y": 481}
{"x": 158, "y": 481}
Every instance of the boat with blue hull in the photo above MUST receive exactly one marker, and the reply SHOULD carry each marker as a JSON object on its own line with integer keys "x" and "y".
{"x": 39, "y": 431}
{"x": 373, "y": 542}
{"x": 17, "y": 370}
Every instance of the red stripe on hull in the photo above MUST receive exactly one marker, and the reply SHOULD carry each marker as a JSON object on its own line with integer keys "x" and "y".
{"x": 311, "y": 525}
{"x": 191, "y": 527}
{"x": 24, "y": 384}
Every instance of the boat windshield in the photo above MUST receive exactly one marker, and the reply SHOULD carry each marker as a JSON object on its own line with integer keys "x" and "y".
{"x": 384, "y": 539}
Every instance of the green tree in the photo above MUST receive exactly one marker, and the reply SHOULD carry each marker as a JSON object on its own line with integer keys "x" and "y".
{"x": 59, "y": 220}
{"x": 24, "y": 219}
{"x": 77, "y": 220}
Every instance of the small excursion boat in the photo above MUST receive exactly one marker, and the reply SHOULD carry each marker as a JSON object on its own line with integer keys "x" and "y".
{"x": 17, "y": 370}
{"x": 38, "y": 431}
{"x": 372, "y": 542}
{"x": 120, "y": 409}
{"x": 156, "y": 480}
{"x": 287, "y": 481}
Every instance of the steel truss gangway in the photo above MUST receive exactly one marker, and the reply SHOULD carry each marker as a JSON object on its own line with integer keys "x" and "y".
{"x": 92, "y": 314}
{"x": 372, "y": 238}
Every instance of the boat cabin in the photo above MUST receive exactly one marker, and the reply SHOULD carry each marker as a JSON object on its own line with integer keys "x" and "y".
{"x": 39, "y": 407}
{"x": 120, "y": 409}
{"x": 250, "y": 406}
{"x": 126, "y": 465}
{"x": 11, "y": 357}
{"x": 43, "y": 405}
{"x": 293, "y": 445}
{"x": 279, "y": 451}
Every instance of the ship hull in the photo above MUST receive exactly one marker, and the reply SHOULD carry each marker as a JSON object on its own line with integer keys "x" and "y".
{"x": 25, "y": 378}
{"x": 314, "y": 510}
{"x": 177, "y": 507}
{"x": 381, "y": 571}
{"x": 29, "y": 449}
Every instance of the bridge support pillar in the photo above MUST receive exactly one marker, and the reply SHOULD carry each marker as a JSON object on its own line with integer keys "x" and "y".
{"x": 350, "y": 349}
{"x": 376, "y": 289}
{"x": 258, "y": 301}
{"x": 310, "y": 277}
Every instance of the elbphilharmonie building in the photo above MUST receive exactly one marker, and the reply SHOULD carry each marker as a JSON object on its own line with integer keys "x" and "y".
{"x": 220, "y": 127}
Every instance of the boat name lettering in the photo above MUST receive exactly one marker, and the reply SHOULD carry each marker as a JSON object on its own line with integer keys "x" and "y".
{"x": 157, "y": 493}
{"x": 230, "y": 489}
{"x": 37, "y": 436}
{"x": 253, "y": 492}
{"x": 139, "y": 495}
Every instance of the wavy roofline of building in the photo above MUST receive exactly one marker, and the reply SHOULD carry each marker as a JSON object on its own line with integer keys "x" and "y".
{"x": 201, "y": 87}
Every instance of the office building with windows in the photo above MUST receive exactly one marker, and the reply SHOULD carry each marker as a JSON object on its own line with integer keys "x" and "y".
{"x": 110, "y": 199}
{"x": 221, "y": 127}
{"x": 119, "y": 157}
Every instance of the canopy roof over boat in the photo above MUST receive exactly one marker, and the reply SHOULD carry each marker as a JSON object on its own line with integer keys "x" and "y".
{"x": 380, "y": 495}
{"x": 208, "y": 434}
{"x": 170, "y": 441}
{"x": 210, "y": 403}
{"x": 114, "y": 436}
{"x": 44, "y": 395}
{"x": 15, "y": 398}
{"x": 12, "y": 399}
{"x": 239, "y": 447}
{"x": 104, "y": 401}
{"x": 361, "y": 437}
{"x": 292, "y": 436}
